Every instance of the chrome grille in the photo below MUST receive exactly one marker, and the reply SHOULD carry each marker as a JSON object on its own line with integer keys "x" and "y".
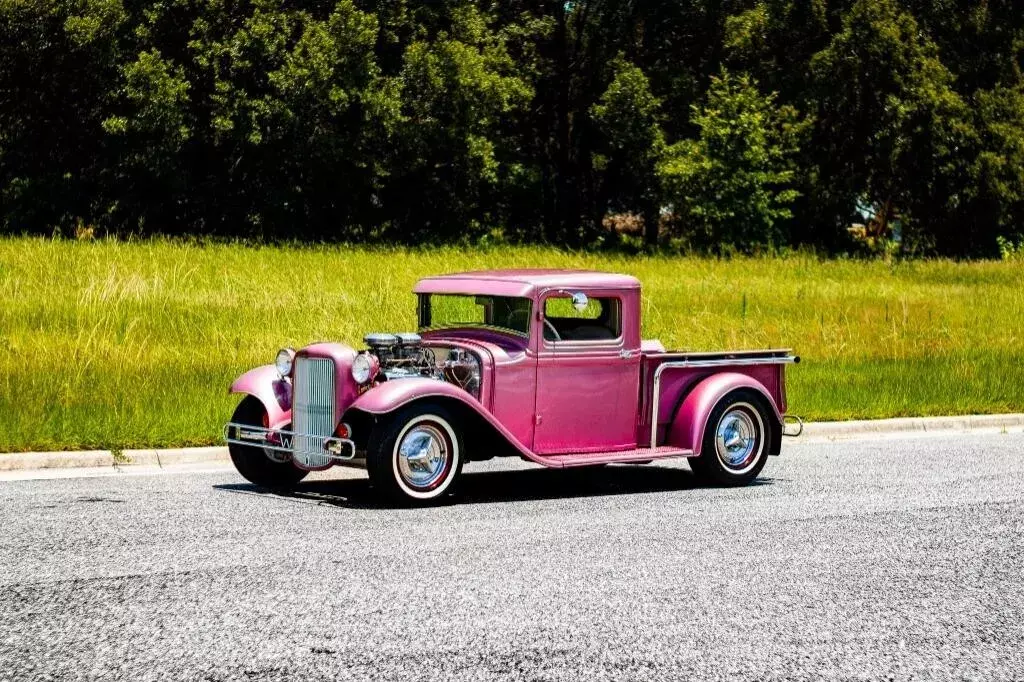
{"x": 312, "y": 410}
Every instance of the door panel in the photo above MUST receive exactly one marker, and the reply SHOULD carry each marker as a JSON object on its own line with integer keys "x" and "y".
{"x": 586, "y": 400}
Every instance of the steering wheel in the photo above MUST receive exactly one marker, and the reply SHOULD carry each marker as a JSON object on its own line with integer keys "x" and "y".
{"x": 514, "y": 314}
{"x": 547, "y": 323}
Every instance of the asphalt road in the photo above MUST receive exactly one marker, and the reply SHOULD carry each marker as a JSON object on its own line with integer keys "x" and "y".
{"x": 875, "y": 559}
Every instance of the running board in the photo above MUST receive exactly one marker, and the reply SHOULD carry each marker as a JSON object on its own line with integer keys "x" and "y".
{"x": 583, "y": 459}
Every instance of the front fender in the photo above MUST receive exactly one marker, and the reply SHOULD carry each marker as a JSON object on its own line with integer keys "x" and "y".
{"x": 266, "y": 385}
{"x": 391, "y": 395}
{"x": 691, "y": 418}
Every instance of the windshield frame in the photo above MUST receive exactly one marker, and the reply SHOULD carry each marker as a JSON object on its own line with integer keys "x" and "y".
{"x": 425, "y": 323}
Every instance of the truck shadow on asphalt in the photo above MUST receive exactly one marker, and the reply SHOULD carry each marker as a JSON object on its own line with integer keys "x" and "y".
{"x": 500, "y": 486}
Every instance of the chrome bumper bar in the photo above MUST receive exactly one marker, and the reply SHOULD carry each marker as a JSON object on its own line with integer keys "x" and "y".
{"x": 279, "y": 440}
{"x": 789, "y": 420}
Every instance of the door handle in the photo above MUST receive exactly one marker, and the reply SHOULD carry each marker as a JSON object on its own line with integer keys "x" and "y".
{"x": 626, "y": 354}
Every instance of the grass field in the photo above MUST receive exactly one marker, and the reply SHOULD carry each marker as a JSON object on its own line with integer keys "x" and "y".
{"x": 116, "y": 345}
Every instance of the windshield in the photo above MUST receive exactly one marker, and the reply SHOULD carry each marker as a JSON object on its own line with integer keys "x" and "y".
{"x": 503, "y": 313}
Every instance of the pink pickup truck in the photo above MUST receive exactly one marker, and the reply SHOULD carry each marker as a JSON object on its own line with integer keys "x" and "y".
{"x": 547, "y": 365}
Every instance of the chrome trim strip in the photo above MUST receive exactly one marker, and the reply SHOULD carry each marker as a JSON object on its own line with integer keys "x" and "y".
{"x": 579, "y": 345}
{"x": 257, "y": 436}
{"x": 690, "y": 364}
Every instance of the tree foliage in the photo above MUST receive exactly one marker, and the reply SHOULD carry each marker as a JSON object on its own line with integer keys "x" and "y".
{"x": 627, "y": 115}
{"x": 745, "y": 124}
{"x": 732, "y": 185}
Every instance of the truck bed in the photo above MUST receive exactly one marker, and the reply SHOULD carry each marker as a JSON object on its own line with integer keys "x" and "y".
{"x": 689, "y": 368}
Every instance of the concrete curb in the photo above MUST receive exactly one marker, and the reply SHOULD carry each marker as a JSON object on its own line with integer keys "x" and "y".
{"x": 23, "y": 461}
{"x": 885, "y": 427}
{"x": 848, "y": 430}
{"x": 56, "y": 460}
{"x": 175, "y": 456}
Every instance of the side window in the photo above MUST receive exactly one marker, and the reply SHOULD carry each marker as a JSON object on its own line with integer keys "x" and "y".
{"x": 599, "y": 320}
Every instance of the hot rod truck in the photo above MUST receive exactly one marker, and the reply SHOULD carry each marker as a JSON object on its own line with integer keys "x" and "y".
{"x": 547, "y": 365}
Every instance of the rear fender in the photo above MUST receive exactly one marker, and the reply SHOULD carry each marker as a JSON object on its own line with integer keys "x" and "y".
{"x": 266, "y": 385}
{"x": 397, "y": 393}
{"x": 687, "y": 428}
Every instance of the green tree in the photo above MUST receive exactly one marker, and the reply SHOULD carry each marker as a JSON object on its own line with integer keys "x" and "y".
{"x": 774, "y": 40}
{"x": 627, "y": 115}
{"x": 981, "y": 41}
{"x": 251, "y": 118}
{"x": 732, "y": 186}
{"x": 413, "y": 120}
{"x": 451, "y": 158}
{"x": 57, "y": 62}
{"x": 889, "y": 125}
{"x": 992, "y": 203}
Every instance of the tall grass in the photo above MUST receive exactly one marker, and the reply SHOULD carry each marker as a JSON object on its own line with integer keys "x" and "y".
{"x": 114, "y": 344}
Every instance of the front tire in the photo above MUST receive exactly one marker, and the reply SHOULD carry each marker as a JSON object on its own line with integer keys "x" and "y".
{"x": 265, "y": 468}
{"x": 734, "y": 447}
{"x": 415, "y": 456}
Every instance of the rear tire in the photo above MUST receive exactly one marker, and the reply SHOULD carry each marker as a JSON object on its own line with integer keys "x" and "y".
{"x": 252, "y": 461}
{"x": 415, "y": 455}
{"x": 734, "y": 447}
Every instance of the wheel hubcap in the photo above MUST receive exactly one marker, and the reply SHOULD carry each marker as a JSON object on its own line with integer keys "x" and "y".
{"x": 736, "y": 439}
{"x": 423, "y": 456}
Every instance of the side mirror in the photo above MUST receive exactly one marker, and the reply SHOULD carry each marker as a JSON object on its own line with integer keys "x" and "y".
{"x": 579, "y": 301}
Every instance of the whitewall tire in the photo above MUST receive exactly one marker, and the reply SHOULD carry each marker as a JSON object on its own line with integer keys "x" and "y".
{"x": 416, "y": 454}
{"x": 735, "y": 443}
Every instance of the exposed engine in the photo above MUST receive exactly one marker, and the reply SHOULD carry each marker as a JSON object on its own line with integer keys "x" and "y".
{"x": 404, "y": 355}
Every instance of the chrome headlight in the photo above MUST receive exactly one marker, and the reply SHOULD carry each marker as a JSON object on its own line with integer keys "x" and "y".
{"x": 364, "y": 367}
{"x": 283, "y": 362}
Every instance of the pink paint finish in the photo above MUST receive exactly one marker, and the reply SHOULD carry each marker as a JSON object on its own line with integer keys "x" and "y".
{"x": 391, "y": 395}
{"x": 559, "y": 403}
{"x": 524, "y": 283}
{"x": 266, "y": 385}
{"x": 635, "y": 455}
{"x": 586, "y": 401}
{"x": 508, "y": 343}
{"x": 513, "y": 396}
{"x": 687, "y": 428}
{"x": 509, "y": 376}
{"x": 677, "y": 383}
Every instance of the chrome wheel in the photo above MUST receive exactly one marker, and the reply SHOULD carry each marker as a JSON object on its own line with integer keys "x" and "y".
{"x": 415, "y": 455}
{"x": 424, "y": 456}
{"x": 738, "y": 438}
